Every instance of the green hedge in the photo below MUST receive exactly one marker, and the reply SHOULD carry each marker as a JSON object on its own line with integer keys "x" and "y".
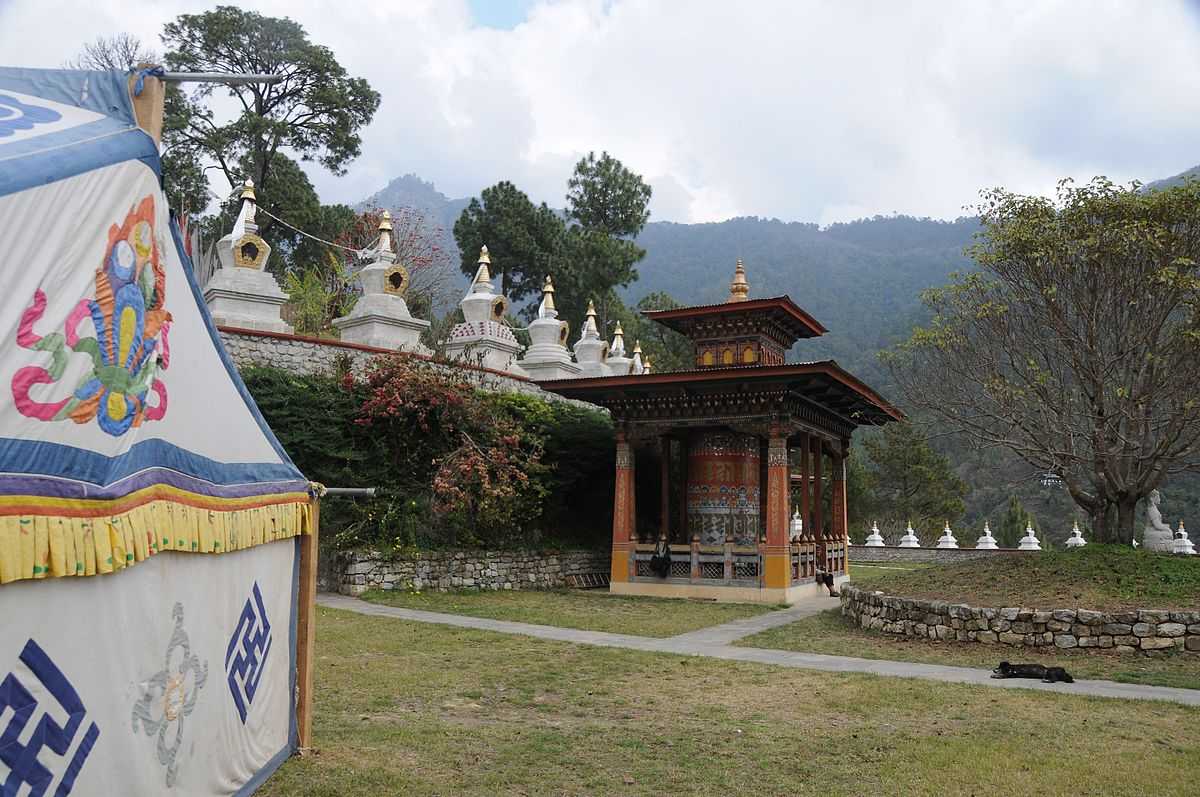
{"x": 319, "y": 419}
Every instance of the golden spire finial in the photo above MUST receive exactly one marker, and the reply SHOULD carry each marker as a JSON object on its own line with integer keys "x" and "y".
{"x": 547, "y": 295}
{"x": 484, "y": 273}
{"x": 637, "y": 345}
{"x": 739, "y": 289}
{"x": 248, "y": 190}
{"x": 646, "y": 364}
{"x": 618, "y": 331}
{"x": 385, "y": 222}
{"x": 591, "y": 311}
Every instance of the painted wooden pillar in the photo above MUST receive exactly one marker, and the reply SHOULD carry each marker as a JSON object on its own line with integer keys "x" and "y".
{"x": 839, "y": 527}
{"x": 664, "y": 444}
{"x": 777, "y": 559}
{"x": 683, "y": 483}
{"x": 806, "y": 483}
{"x": 624, "y": 512}
{"x": 818, "y": 531}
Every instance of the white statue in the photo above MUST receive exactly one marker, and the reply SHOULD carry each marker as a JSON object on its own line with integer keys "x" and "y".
{"x": 1157, "y": 535}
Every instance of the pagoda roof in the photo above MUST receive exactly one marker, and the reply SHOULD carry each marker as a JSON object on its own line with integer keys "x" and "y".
{"x": 778, "y": 309}
{"x": 824, "y": 383}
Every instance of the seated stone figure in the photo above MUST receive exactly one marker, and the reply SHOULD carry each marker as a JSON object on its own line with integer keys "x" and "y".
{"x": 1157, "y": 535}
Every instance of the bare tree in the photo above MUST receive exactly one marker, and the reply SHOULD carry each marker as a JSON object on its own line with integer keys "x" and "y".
{"x": 1076, "y": 345}
{"x": 121, "y": 52}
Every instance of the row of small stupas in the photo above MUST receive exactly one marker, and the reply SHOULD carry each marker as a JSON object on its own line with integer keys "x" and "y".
{"x": 241, "y": 293}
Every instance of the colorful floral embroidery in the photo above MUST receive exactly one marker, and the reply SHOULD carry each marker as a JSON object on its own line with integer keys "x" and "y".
{"x": 130, "y": 347}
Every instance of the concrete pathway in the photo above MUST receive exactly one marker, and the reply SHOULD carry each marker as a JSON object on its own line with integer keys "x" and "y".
{"x": 704, "y": 643}
{"x": 734, "y": 630}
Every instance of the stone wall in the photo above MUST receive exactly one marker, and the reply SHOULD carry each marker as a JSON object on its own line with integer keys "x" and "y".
{"x": 300, "y": 354}
{"x": 861, "y": 553}
{"x": 1127, "y": 631}
{"x": 445, "y": 570}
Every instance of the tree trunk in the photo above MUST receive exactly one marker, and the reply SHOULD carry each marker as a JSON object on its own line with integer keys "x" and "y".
{"x": 1101, "y": 520}
{"x": 1123, "y": 533}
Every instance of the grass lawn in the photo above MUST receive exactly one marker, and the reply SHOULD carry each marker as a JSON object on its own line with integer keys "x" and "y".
{"x": 829, "y": 632}
{"x": 414, "y": 709}
{"x": 585, "y": 610}
{"x": 1099, "y": 577}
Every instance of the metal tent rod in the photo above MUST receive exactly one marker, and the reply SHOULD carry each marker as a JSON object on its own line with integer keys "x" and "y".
{"x": 228, "y": 78}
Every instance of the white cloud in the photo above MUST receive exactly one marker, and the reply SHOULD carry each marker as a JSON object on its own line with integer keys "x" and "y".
{"x": 811, "y": 111}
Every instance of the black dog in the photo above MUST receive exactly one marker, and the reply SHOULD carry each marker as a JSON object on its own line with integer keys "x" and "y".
{"x": 1047, "y": 675}
{"x": 826, "y": 579}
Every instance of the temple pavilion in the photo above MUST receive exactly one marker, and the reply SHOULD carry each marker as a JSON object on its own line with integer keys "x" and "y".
{"x": 739, "y": 462}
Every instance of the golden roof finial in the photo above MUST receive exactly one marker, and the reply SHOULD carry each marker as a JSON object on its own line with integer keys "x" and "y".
{"x": 637, "y": 344}
{"x": 548, "y": 294}
{"x": 591, "y": 311}
{"x": 385, "y": 222}
{"x": 248, "y": 190}
{"x": 739, "y": 289}
{"x": 646, "y": 364}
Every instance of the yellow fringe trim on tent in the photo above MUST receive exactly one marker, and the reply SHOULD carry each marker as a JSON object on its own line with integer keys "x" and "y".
{"x": 37, "y": 546}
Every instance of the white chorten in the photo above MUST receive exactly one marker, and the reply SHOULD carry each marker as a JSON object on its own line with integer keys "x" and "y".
{"x": 874, "y": 539}
{"x": 483, "y": 338}
{"x": 1030, "y": 541}
{"x": 1076, "y": 539}
{"x": 1182, "y": 544}
{"x": 636, "y": 365}
{"x": 547, "y": 356}
{"x": 947, "y": 539}
{"x": 591, "y": 352}
{"x": 910, "y": 540}
{"x": 986, "y": 542}
{"x": 380, "y": 316}
{"x": 241, "y": 293}
{"x": 797, "y": 526}
{"x": 618, "y": 363}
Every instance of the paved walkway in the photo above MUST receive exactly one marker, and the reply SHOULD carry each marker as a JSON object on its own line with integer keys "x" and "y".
{"x": 714, "y": 643}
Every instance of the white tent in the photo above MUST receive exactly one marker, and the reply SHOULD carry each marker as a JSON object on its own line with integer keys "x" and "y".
{"x": 149, "y": 519}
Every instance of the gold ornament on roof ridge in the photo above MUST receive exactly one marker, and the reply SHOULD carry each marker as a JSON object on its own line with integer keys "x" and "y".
{"x": 739, "y": 288}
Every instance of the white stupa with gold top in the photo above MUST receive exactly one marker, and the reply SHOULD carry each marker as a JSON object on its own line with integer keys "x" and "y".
{"x": 483, "y": 338}
{"x": 619, "y": 364}
{"x": 242, "y": 293}
{"x": 548, "y": 356}
{"x": 591, "y": 350}
{"x": 380, "y": 317}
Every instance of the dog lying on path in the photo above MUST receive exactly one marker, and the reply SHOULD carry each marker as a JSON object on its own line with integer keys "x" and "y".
{"x": 1047, "y": 675}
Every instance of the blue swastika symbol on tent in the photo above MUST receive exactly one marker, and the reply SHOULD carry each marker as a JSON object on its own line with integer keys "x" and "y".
{"x": 42, "y": 761}
{"x": 246, "y": 656}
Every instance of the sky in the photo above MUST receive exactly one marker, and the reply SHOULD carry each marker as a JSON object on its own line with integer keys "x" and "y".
{"x": 805, "y": 111}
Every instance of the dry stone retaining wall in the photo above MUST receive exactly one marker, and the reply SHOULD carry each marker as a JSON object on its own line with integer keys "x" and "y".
{"x": 1127, "y": 631}
{"x": 445, "y": 570}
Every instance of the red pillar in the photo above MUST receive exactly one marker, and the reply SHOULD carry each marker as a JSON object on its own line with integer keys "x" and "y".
{"x": 624, "y": 511}
{"x": 839, "y": 526}
{"x": 777, "y": 560}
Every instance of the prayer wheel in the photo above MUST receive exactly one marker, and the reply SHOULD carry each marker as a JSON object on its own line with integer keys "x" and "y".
{"x": 723, "y": 488}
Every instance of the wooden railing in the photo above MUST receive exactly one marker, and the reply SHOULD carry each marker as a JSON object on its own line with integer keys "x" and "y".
{"x": 702, "y": 564}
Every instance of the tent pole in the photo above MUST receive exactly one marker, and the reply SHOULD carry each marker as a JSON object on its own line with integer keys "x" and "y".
{"x": 307, "y": 626}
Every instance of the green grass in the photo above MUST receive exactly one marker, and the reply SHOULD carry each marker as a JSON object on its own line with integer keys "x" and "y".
{"x": 829, "y": 632}
{"x": 585, "y": 610}
{"x": 414, "y": 709}
{"x": 1100, "y": 577}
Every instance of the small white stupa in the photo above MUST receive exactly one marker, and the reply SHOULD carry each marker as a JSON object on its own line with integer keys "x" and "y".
{"x": 547, "y": 356}
{"x": 1030, "y": 541}
{"x": 591, "y": 352}
{"x": 1076, "y": 539}
{"x": 797, "y": 526}
{"x": 242, "y": 293}
{"x": 947, "y": 539}
{"x": 909, "y": 540}
{"x": 484, "y": 339}
{"x": 636, "y": 365}
{"x": 618, "y": 363}
{"x": 1182, "y": 544}
{"x": 986, "y": 542}
{"x": 874, "y": 539}
{"x": 380, "y": 317}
